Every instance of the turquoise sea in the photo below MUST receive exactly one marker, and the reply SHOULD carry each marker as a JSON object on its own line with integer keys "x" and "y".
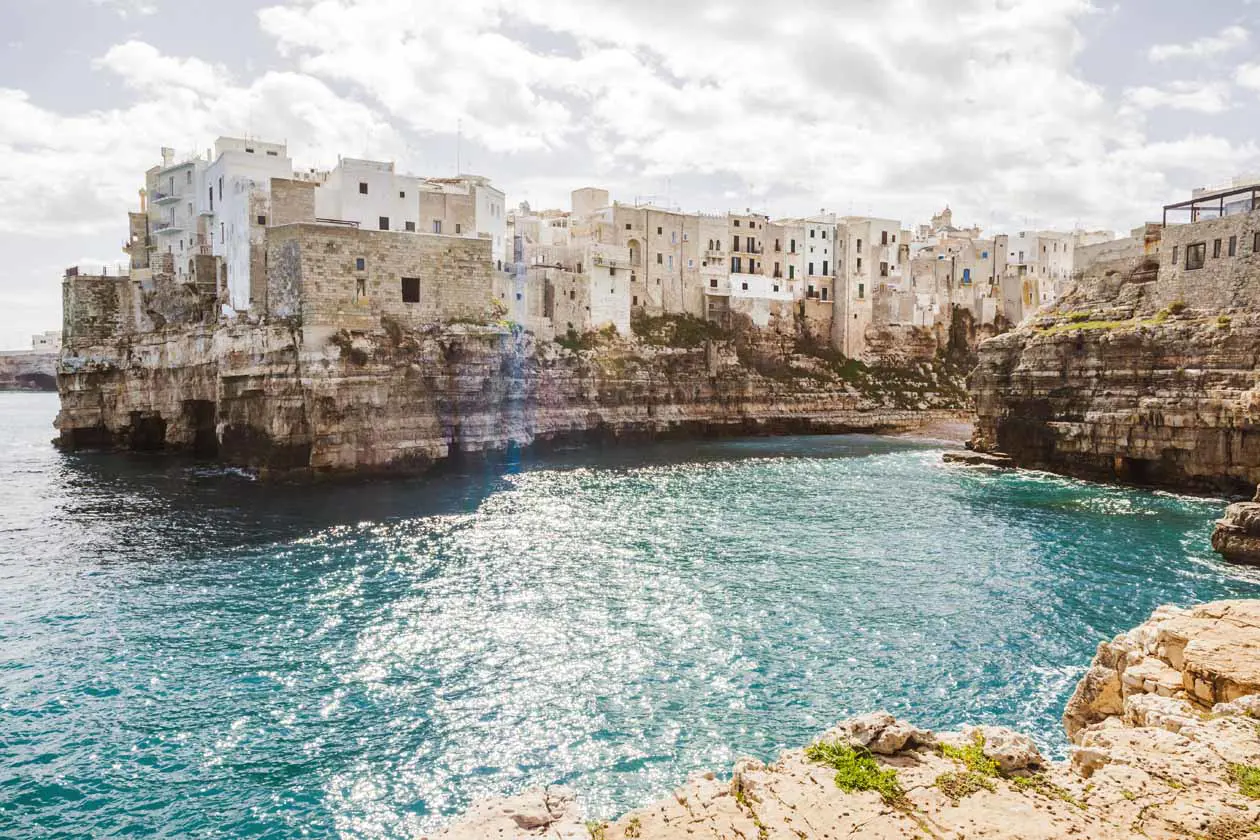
{"x": 185, "y": 651}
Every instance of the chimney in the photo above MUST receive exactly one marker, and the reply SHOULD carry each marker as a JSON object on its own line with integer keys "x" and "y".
{"x": 168, "y": 155}
{"x": 144, "y": 200}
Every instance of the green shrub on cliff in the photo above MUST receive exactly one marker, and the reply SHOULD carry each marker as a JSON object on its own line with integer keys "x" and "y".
{"x": 682, "y": 331}
{"x": 857, "y": 770}
{"x": 1247, "y": 777}
{"x": 972, "y": 756}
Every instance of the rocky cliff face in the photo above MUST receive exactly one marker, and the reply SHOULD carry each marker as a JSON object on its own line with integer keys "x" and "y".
{"x": 1236, "y": 536}
{"x": 1120, "y": 383}
{"x": 276, "y": 397}
{"x": 28, "y": 371}
{"x": 1165, "y": 730}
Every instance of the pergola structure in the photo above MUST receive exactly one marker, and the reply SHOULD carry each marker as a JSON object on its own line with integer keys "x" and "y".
{"x": 1216, "y": 205}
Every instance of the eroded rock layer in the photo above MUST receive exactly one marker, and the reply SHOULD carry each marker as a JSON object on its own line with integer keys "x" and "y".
{"x": 1165, "y": 730}
{"x": 1138, "y": 375}
{"x": 280, "y": 398}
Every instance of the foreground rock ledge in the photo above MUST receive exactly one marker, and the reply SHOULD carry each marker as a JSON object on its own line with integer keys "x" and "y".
{"x": 1164, "y": 731}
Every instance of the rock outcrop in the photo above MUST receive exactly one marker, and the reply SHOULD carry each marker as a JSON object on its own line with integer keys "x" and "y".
{"x": 1237, "y": 534}
{"x": 28, "y": 370}
{"x": 280, "y": 397}
{"x": 1165, "y": 744}
{"x": 1137, "y": 375}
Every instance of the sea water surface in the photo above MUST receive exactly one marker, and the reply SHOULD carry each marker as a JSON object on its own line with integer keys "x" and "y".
{"x": 185, "y": 651}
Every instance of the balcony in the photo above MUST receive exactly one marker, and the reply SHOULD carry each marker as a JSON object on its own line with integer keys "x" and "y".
{"x": 167, "y": 227}
{"x": 164, "y": 198}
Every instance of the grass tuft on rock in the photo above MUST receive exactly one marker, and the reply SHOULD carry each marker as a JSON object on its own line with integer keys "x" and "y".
{"x": 972, "y": 757}
{"x": 958, "y": 786}
{"x": 1247, "y": 777}
{"x": 857, "y": 770}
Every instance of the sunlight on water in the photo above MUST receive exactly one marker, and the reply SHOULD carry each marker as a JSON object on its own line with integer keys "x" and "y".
{"x": 186, "y": 651}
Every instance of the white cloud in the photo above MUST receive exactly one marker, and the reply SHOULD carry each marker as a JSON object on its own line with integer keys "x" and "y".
{"x": 1229, "y": 38}
{"x": 1248, "y": 76}
{"x": 75, "y": 175}
{"x": 1203, "y": 97}
{"x": 129, "y": 8}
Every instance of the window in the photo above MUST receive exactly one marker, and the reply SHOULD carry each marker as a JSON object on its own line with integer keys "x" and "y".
{"x": 363, "y": 188}
{"x": 360, "y": 264}
{"x": 861, "y": 291}
{"x": 220, "y": 188}
{"x": 686, "y": 237}
{"x": 660, "y": 258}
{"x": 824, "y": 233}
{"x": 411, "y": 289}
{"x": 271, "y": 153}
{"x": 360, "y": 288}
{"x": 572, "y": 295}
{"x": 966, "y": 276}
{"x": 212, "y": 199}
{"x": 859, "y": 263}
{"x": 1233, "y": 246}
{"x": 671, "y": 262}
{"x": 825, "y": 268}
{"x": 518, "y": 295}
{"x": 735, "y": 265}
{"x": 1196, "y": 255}
{"x": 410, "y": 227}
{"x": 744, "y": 286}
{"x": 628, "y": 228}
{"x": 1021, "y": 257}
{"x": 691, "y": 263}
{"x": 813, "y": 234}
{"x": 673, "y": 237}
{"x": 1216, "y": 249}
{"x": 791, "y": 272}
{"x": 612, "y": 272}
{"x": 437, "y": 225}
{"x": 984, "y": 255}
{"x": 1174, "y": 255}
{"x": 752, "y": 246}
{"x": 894, "y": 237}
{"x": 824, "y": 292}
{"x": 384, "y": 221}
{"x": 189, "y": 174}
{"x": 883, "y": 237}
{"x": 458, "y": 228}
{"x": 659, "y": 231}
{"x": 262, "y": 220}
{"x": 221, "y": 232}
{"x": 1255, "y": 243}
{"x": 712, "y": 282}
{"x": 737, "y": 223}
{"x": 402, "y": 194}
{"x": 635, "y": 300}
{"x": 859, "y": 246}
{"x": 776, "y": 287}
{"x": 883, "y": 269}
{"x": 248, "y": 150}
{"x": 811, "y": 269}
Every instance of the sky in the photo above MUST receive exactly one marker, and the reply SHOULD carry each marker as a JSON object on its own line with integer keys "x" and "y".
{"x": 1019, "y": 114}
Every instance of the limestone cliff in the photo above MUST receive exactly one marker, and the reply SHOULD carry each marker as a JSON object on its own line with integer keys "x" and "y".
{"x": 1166, "y": 744}
{"x": 283, "y": 397}
{"x": 28, "y": 371}
{"x": 1144, "y": 373}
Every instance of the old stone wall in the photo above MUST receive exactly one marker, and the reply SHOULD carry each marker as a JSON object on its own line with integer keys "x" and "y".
{"x": 1225, "y": 281}
{"x": 292, "y": 201}
{"x": 345, "y": 277}
{"x": 95, "y": 307}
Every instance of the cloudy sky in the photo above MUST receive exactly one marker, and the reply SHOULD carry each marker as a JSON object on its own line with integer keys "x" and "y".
{"x": 1018, "y": 113}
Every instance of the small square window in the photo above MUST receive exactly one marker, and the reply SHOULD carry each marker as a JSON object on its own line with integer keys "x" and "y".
{"x": 737, "y": 223}
{"x": 744, "y": 286}
{"x": 384, "y": 220}
{"x": 360, "y": 264}
{"x": 363, "y": 188}
{"x": 262, "y": 220}
{"x": 628, "y": 228}
{"x": 712, "y": 282}
{"x": 402, "y": 194}
{"x": 659, "y": 231}
{"x": 411, "y": 289}
{"x": 411, "y": 227}
{"x": 660, "y": 259}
